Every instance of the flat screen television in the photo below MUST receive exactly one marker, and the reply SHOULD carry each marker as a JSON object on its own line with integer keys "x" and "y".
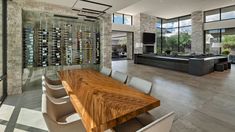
{"x": 148, "y": 38}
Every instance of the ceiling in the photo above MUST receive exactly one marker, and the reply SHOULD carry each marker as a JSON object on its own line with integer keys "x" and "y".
{"x": 78, "y": 4}
{"x": 173, "y": 8}
{"x": 158, "y": 8}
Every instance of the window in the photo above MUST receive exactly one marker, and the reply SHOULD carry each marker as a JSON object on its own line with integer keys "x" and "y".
{"x": 185, "y": 31}
{"x": 118, "y": 18}
{"x": 212, "y": 36}
{"x": 127, "y": 20}
{"x": 171, "y": 40}
{"x": 224, "y": 36}
{"x": 175, "y": 35}
{"x": 159, "y": 35}
{"x": 172, "y": 23}
{"x": 185, "y": 21}
{"x": 213, "y": 15}
{"x": 122, "y": 19}
{"x": 228, "y": 13}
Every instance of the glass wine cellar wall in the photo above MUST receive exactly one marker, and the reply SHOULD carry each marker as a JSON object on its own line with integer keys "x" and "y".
{"x": 53, "y": 40}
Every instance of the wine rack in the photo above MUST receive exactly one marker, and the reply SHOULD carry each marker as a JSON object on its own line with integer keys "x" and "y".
{"x": 28, "y": 37}
{"x": 97, "y": 42}
{"x": 56, "y": 47}
{"x": 59, "y": 41}
{"x": 42, "y": 47}
{"x": 79, "y": 47}
{"x": 68, "y": 43}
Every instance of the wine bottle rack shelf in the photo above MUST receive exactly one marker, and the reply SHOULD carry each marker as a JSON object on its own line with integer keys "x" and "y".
{"x": 65, "y": 44}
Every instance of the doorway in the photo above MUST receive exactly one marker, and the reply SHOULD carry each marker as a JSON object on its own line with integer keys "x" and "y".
{"x": 122, "y": 45}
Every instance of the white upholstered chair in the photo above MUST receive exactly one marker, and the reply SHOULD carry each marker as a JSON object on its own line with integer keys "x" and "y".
{"x": 50, "y": 81}
{"x": 106, "y": 71}
{"x": 122, "y": 77}
{"x": 160, "y": 125}
{"x": 60, "y": 117}
{"x": 141, "y": 85}
{"x": 56, "y": 92}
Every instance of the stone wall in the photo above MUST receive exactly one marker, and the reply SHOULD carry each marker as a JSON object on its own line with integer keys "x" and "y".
{"x": 106, "y": 41}
{"x": 129, "y": 46}
{"x": 143, "y": 23}
{"x": 14, "y": 60}
{"x": 197, "y": 32}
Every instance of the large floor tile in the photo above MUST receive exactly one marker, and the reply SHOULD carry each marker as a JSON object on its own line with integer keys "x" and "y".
{"x": 6, "y": 112}
{"x": 31, "y": 118}
{"x": 221, "y": 107}
{"x": 200, "y": 122}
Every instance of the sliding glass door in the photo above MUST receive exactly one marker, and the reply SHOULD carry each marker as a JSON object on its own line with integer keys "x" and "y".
{"x": 2, "y": 50}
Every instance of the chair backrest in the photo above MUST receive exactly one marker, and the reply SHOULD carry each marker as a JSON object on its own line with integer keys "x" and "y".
{"x": 140, "y": 84}
{"x": 106, "y": 71}
{"x": 50, "y": 81}
{"x": 48, "y": 109}
{"x": 51, "y": 107}
{"x": 119, "y": 76}
{"x": 161, "y": 125}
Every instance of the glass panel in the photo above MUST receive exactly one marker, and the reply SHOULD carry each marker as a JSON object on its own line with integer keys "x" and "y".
{"x": 213, "y": 15}
{"x": 127, "y": 20}
{"x": 1, "y": 86}
{"x": 212, "y": 36}
{"x": 170, "y": 40}
{"x": 228, "y": 13}
{"x": 228, "y": 39}
{"x": 158, "y": 35}
{"x": 172, "y": 23}
{"x": 185, "y": 21}
{"x": 185, "y": 39}
{"x": 118, "y": 18}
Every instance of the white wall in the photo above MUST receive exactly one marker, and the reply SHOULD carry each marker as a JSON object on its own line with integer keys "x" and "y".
{"x": 121, "y": 27}
{"x": 219, "y": 24}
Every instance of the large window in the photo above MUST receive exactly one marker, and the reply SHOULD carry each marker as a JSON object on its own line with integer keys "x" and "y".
{"x": 159, "y": 35}
{"x": 212, "y": 36}
{"x": 224, "y": 36}
{"x": 170, "y": 35}
{"x": 220, "y": 14}
{"x": 122, "y": 19}
{"x": 228, "y": 13}
{"x": 185, "y": 31}
{"x": 118, "y": 18}
{"x": 174, "y": 35}
{"x": 213, "y": 15}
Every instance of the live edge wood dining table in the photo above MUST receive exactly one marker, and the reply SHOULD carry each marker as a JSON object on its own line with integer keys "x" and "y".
{"x": 103, "y": 102}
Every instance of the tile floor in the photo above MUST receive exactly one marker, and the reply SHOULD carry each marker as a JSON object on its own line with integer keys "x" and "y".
{"x": 201, "y": 104}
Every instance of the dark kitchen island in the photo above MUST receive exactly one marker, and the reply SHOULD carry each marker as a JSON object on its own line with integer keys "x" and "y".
{"x": 195, "y": 65}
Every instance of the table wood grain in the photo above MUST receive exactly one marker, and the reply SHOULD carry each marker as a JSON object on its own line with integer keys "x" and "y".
{"x": 103, "y": 102}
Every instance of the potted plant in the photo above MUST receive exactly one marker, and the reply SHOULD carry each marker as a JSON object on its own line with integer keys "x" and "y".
{"x": 229, "y": 43}
{"x": 230, "y": 46}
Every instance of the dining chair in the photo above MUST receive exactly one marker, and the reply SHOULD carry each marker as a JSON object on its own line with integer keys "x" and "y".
{"x": 50, "y": 81}
{"x": 106, "y": 71}
{"x": 122, "y": 77}
{"x": 56, "y": 92}
{"x": 141, "y": 85}
{"x": 60, "y": 117}
{"x": 160, "y": 125}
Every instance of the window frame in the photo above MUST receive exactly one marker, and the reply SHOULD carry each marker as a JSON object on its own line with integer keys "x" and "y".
{"x": 220, "y": 14}
{"x": 178, "y": 28}
{"x": 123, "y": 18}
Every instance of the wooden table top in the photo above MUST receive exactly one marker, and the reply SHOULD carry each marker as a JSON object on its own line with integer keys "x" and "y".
{"x": 103, "y": 102}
